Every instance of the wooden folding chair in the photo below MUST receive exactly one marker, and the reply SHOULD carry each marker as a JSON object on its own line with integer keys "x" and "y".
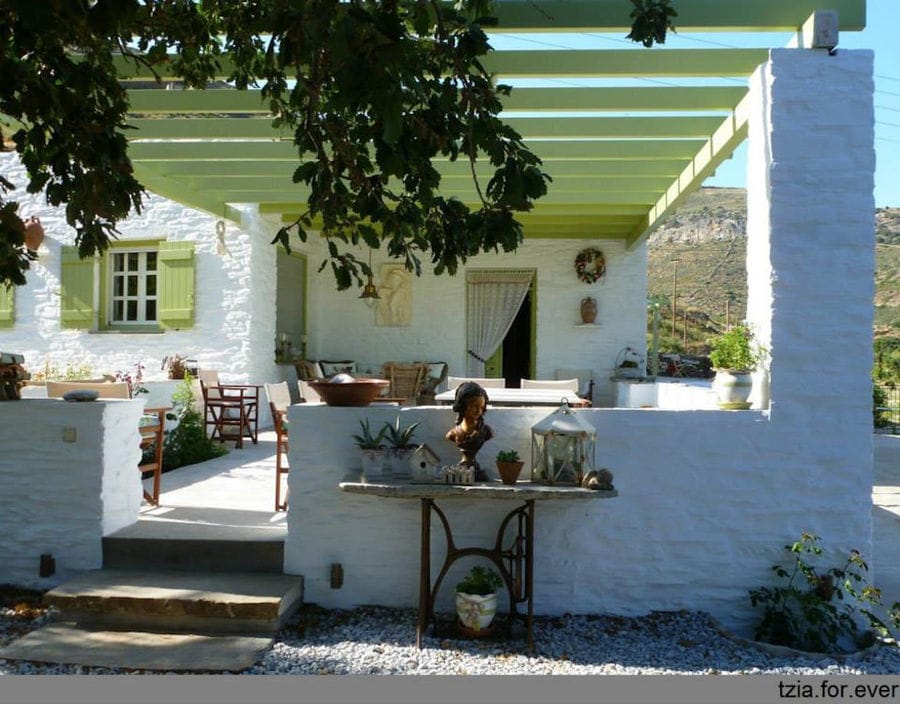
{"x": 279, "y": 396}
{"x": 152, "y": 429}
{"x": 231, "y": 410}
{"x": 406, "y": 380}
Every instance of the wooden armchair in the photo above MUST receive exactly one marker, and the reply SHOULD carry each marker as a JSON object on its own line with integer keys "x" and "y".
{"x": 279, "y": 396}
{"x": 406, "y": 380}
{"x": 231, "y": 410}
{"x": 434, "y": 377}
{"x": 152, "y": 427}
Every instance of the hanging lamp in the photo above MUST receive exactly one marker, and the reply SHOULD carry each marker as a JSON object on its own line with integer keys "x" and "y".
{"x": 369, "y": 293}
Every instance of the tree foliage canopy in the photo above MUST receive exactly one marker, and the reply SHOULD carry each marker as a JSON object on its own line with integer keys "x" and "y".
{"x": 374, "y": 91}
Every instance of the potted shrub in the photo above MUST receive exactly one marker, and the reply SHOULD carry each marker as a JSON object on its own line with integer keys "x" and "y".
{"x": 372, "y": 450}
{"x": 476, "y": 598}
{"x": 509, "y": 466}
{"x": 734, "y": 355}
{"x": 400, "y": 447}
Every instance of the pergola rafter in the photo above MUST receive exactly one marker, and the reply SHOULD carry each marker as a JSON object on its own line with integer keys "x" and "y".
{"x": 622, "y": 156}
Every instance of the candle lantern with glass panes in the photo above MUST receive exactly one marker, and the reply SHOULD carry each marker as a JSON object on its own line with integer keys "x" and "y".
{"x": 562, "y": 448}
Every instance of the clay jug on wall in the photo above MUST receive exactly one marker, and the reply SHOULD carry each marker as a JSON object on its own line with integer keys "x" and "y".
{"x": 588, "y": 309}
{"x": 34, "y": 233}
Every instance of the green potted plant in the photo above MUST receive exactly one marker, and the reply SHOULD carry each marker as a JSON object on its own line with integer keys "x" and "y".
{"x": 400, "y": 447}
{"x": 372, "y": 450}
{"x": 734, "y": 355}
{"x": 509, "y": 466}
{"x": 476, "y": 598}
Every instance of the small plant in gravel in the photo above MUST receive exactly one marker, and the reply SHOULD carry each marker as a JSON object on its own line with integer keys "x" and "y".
{"x": 820, "y": 610}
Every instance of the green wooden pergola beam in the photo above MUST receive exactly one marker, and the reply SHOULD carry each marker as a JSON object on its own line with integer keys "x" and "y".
{"x": 693, "y": 15}
{"x": 530, "y": 127}
{"x": 293, "y": 199}
{"x": 214, "y": 101}
{"x": 621, "y": 168}
{"x": 583, "y": 149}
{"x": 563, "y": 63}
{"x": 621, "y": 99}
{"x": 450, "y": 184}
{"x": 606, "y": 63}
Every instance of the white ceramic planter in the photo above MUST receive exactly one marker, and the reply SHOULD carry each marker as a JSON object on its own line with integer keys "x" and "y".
{"x": 476, "y": 611}
{"x": 372, "y": 463}
{"x": 733, "y": 388}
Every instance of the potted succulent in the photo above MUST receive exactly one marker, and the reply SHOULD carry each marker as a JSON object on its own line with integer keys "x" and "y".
{"x": 734, "y": 355}
{"x": 509, "y": 466}
{"x": 372, "y": 450}
{"x": 476, "y": 598}
{"x": 400, "y": 447}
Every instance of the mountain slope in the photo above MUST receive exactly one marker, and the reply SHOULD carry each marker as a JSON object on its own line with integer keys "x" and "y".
{"x": 699, "y": 254}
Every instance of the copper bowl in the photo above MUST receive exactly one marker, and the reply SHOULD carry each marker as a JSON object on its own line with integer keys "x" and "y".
{"x": 353, "y": 393}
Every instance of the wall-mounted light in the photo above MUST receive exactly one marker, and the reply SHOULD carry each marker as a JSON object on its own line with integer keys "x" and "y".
{"x": 221, "y": 248}
{"x": 369, "y": 293}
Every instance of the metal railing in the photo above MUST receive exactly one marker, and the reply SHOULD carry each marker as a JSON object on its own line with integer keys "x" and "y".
{"x": 887, "y": 412}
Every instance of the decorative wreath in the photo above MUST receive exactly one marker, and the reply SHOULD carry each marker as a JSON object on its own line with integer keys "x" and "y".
{"x": 590, "y": 265}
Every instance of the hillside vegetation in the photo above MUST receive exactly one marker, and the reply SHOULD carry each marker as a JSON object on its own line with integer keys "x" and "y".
{"x": 699, "y": 253}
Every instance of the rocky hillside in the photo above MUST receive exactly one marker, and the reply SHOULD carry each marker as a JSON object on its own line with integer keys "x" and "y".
{"x": 701, "y": 251}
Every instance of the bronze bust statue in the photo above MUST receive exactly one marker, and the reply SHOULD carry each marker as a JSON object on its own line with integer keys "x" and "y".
{"x": 470, "y": 431}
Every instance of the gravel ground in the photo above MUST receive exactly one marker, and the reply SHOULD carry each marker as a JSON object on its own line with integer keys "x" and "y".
{"x": 381, "y": 641}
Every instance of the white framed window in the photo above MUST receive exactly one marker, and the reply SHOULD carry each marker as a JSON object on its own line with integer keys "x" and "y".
{"x": 133, "y": 291}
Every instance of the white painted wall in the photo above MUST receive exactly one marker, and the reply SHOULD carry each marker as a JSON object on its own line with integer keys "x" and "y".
{"x": 62, "y": 497}
{"x": 707, "y": 498}
{"x": 342, "y": 327}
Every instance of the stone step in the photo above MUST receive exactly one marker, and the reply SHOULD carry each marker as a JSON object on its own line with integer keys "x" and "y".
{"x": 177, "y": 601}
{"x": 64, "y": 642}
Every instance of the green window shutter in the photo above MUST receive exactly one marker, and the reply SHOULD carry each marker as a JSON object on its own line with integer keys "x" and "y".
{"x": 77, "y": 284}
{"x": 7, "y": 306}
{"x": 176, "y": 285}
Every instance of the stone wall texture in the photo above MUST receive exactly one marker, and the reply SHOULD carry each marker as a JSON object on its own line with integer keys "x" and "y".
{"x": 61, "y": 497}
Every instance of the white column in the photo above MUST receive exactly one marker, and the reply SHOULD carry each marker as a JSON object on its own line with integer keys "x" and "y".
{"x": 810, "y": 223}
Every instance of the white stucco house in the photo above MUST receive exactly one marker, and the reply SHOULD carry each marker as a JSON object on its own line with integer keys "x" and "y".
{"x": 706, "y": 497}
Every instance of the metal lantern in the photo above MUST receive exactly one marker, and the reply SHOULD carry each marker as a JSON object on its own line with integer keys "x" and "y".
{"x": 562, "y": 448}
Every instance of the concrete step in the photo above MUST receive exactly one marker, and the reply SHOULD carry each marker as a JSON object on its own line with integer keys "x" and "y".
{"x": 177, "y": 601}
{"x": 194, "y": 554}
{"x": 197, "y": 539}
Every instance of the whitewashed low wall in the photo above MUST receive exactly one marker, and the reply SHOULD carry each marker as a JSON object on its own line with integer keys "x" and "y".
{"x": 668, "y": 394}
{"x": 62, "y": 497}
{"x": 706, "y": 500}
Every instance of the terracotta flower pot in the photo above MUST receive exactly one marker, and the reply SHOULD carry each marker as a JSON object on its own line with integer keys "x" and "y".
{"x": 509, "y": 471}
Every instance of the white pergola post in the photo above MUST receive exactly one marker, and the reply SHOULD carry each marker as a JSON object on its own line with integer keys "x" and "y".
{"x": 810, "y": 257}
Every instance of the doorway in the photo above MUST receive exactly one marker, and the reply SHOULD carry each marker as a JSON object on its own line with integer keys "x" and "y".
{"x": 513, "y": 360}
{"x": 290, "y": 303}
{"x": 500, "y": 323}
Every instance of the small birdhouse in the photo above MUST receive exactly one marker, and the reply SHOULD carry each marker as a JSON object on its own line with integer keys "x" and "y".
{"x": 562, "y": 448}
{"x": 423, "y": 464}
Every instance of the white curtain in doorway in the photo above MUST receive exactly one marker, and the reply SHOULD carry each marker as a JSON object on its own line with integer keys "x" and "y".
{"x": 493, "y": 298}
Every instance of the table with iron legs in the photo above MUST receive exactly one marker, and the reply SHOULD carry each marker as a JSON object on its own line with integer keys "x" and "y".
{"x": 514, "y": 561}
